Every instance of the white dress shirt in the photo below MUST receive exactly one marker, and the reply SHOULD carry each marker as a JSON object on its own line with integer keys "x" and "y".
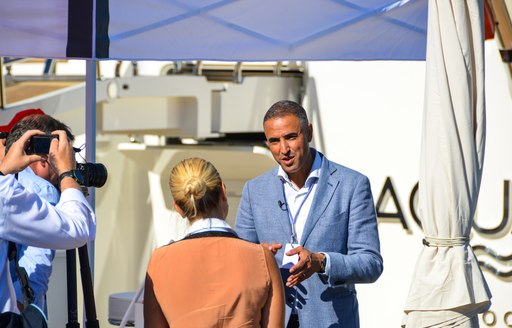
{"x": 299, "y": 201}
{"x": 27, "y": 219}
{"x": 209, "y": 224}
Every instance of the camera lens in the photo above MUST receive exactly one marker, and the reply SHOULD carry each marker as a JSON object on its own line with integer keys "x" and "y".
{"x": 94, "y": 174}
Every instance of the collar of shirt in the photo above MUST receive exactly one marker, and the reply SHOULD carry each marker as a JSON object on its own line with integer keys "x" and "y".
{"x": 209, "y": 224}
{"x": 29, "y": 180}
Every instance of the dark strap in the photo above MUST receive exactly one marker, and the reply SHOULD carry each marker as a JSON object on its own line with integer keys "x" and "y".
{"x": 28, "y": 293}
{"x": 206, "y": 234}
{"x": 212, "y": 234}
{"x": 12, "y": 255}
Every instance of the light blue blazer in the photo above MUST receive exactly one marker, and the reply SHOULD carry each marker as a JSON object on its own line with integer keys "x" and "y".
{"x": 342, "y": 223}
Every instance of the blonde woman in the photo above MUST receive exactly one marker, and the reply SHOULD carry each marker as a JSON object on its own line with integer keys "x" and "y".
{"x": 211, "y": 278}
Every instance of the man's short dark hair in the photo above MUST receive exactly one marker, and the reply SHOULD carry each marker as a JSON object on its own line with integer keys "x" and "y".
{"x": 287, "y": 107}
{"x": 45, "y": 123}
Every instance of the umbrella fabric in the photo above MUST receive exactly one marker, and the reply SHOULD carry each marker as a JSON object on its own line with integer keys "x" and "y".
{"x": 448, "y": 287}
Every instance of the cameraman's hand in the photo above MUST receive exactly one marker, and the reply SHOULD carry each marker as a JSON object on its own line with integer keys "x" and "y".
{"x": 17, "y": 159}
{"x": 62, "y": 158}
{"x": 62, "y": 155}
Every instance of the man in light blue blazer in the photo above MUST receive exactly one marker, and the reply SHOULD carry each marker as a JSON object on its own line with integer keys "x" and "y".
{"x": 318, "y": 217}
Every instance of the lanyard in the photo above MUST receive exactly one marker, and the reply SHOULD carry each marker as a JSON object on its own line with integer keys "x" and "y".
{"x": 293, "y": 219}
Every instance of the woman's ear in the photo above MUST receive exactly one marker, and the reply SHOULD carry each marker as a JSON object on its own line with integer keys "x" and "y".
{"x": 178, "y": 209}
{"x": 224, "y": 192}
{"x": 224, "y": 204}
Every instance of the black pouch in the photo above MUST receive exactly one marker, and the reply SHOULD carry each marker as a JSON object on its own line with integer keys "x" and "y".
{"x": 32, "y": 316}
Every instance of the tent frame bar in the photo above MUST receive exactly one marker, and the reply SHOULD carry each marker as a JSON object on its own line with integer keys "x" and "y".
{"x": 3, "y": 101}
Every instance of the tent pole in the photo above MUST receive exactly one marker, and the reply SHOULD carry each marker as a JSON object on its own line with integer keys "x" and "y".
{"x": 3, "y": 101}
{"x": 90, "y": 135}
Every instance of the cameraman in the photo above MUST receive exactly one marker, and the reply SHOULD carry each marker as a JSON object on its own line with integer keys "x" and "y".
{"x": 39, "y": 177}
{"x": 27, "y": 219}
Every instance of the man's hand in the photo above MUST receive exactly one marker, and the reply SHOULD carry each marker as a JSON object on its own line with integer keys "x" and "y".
{"x": 17, "y": 159}
{"x": 62, "y": 158}
{"x": 62, "y": 155}
{"x": 274, "y": 247}
{"x": 308, "y": 264}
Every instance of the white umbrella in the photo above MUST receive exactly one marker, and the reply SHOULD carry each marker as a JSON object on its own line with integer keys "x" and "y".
{"x": 448, "y": 287}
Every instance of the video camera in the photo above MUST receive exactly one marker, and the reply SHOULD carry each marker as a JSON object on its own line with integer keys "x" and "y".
{"x": 86, "y": 174}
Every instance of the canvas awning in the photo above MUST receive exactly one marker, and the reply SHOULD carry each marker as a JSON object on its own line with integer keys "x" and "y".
{"x": 230, "y": 30}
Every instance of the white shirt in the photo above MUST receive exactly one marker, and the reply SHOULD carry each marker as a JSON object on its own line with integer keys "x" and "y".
{"x": 299, "y": 201}
{"x": 209, "y": 224}
{"x": 294, "y": 198}
{"x": 27, "y": 219}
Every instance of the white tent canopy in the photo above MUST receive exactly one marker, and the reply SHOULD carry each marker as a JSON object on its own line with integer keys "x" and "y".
{"x": 215, "y": 30}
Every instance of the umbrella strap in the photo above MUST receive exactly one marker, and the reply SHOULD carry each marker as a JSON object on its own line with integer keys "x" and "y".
{"x": 445, "y": 242}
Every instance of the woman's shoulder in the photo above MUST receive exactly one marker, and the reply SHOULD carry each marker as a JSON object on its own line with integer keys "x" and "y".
{"x": 239, "y": 244}
{"x": 250, "y": 247}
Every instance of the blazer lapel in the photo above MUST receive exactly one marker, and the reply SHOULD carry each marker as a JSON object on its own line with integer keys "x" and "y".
{"x": 325, "y": 189}
{"x": 276, "y": 195}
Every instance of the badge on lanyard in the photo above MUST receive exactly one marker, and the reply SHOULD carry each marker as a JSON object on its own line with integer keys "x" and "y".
{"x": 289, "y": 261}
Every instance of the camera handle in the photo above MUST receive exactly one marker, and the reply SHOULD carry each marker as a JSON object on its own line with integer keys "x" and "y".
{"x": 87, "y": 288}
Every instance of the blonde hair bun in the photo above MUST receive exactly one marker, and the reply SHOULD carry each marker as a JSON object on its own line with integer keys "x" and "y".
{"x": 195, "y": 186}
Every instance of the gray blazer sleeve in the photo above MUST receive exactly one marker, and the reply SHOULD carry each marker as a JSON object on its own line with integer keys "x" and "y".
{"x": 362, "y": 262}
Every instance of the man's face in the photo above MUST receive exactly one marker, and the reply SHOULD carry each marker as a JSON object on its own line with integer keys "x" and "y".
{"x": 289, "y": 144}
